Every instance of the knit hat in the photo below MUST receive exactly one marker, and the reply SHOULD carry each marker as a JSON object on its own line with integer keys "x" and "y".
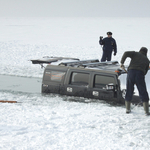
{"x": 143, "y": 50}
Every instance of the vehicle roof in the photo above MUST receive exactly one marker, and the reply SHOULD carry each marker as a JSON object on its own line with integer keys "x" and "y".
{"x": 104, "y": 69}
{"x": 90, "y": 64}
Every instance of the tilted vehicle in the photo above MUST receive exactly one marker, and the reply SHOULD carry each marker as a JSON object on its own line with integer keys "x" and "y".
{"x": 85, "y": 78}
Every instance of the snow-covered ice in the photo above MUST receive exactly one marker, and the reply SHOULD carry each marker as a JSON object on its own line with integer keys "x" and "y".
{"x": 54, "y": 122}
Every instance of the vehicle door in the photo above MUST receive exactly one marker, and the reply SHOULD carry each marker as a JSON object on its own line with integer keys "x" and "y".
{"x": 78, "y": 84}
{"x": 52, "y": 81}
{"x": 104, "y": 86}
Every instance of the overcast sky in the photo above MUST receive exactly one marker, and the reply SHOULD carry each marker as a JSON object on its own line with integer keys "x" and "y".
{"x": 74, "y": 8}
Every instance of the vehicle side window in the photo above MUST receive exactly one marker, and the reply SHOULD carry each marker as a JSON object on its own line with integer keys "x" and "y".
{"x": 54, "y": 75}
{"x": 100, "y": 81}
{"x": 80, "y": 78}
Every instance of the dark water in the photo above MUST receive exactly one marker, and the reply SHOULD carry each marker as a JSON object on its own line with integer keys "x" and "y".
{"x": 20, "y": 84}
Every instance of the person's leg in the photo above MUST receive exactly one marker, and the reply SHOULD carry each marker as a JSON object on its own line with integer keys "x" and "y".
{"x": 109, "y": 56}
{"x": 103, "y": 57}
{"x": 130, "y": 85}
{"x": 141, "y": 86}
{"x": 130, "y": 89}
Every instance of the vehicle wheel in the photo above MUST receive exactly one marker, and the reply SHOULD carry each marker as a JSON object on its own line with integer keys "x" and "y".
{"x": 123, "y": 93}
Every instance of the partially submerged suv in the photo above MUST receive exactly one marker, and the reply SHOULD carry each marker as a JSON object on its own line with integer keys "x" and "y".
{"x": 87, "y": 78}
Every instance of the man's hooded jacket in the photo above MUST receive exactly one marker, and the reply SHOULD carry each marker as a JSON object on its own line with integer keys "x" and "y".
{"x": 139, "y": 60}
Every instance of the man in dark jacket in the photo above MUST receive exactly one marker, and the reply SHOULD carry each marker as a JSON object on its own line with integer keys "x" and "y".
{"x": 137, "y": 70}
{"x": 109, "y": 45}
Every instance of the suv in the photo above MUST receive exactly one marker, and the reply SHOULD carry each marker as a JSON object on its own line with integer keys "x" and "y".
{"x": 87, "y": 78}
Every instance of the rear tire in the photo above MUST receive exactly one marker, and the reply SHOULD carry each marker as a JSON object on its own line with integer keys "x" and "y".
{"x": 123, "y": 93}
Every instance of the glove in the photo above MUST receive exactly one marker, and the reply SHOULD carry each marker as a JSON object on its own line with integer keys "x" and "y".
{"x": 101, "y": 37}
{"x": 114, "y": 54}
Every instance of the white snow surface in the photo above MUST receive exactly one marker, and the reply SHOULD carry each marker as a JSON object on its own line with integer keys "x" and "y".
{"x": 54, "y": 122}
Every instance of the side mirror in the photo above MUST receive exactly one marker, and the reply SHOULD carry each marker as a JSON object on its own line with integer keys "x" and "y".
{"x": 110, "y": 87}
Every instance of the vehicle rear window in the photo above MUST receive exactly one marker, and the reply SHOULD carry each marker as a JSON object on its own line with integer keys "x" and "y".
{"x": 80, "y": 78}
{"x": 100, "y": 81}
{"x": 54, "y": 76}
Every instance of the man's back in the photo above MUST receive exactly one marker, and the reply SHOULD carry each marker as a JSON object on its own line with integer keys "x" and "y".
{"x": 139, "y": 61}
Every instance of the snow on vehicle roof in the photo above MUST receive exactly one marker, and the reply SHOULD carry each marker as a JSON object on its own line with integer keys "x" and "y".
{"x": 75, "y": 62}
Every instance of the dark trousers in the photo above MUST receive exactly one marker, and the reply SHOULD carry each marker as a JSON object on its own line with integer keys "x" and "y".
{"x": 106, "y": 56}
{"x": 136, "y": 77}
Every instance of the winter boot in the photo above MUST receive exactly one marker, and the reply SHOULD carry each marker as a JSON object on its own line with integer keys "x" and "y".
{"x": 128, "y": 105}
{"x": 146, "y": 108}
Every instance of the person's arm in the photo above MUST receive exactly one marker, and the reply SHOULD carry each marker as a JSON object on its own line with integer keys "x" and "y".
{"x": 101, "y": 41}
{"x": 127, "y": 54}
{"x": 115, "y": 47}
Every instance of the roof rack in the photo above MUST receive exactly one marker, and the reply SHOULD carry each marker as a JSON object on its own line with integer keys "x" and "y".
{"x": 99, "y": 64}
{"x": 48, "y": 59}
{"x": 78, "y": 63}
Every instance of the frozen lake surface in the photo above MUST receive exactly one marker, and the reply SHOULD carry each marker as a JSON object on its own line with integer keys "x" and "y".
{"x": 54, "y": 122}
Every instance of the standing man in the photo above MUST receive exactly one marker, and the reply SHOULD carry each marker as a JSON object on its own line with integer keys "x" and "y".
{"x": 109, "y": 45}
{"x": 137, "y": 70}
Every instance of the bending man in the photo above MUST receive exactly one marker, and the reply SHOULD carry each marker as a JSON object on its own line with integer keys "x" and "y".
{"x": 137, "y": 70}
